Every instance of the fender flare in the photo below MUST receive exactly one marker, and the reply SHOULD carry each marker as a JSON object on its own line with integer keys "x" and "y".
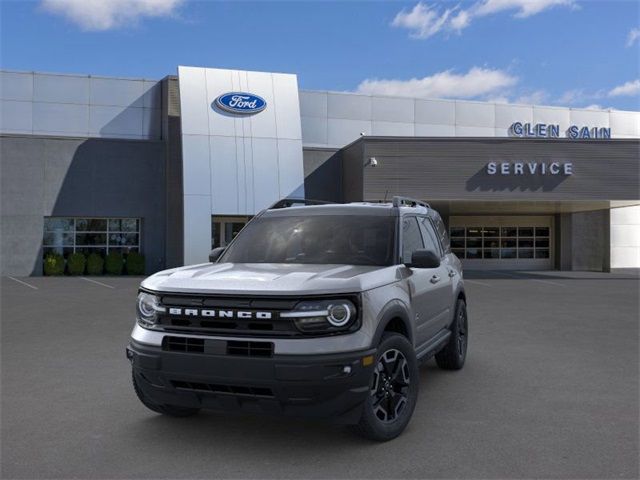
{"x": 394, "y": 309}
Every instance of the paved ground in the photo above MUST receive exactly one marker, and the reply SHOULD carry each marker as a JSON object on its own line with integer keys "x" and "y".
{"x": 550, "y": 390}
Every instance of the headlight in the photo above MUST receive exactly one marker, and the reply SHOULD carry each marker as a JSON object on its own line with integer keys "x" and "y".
{"x": 148, "y": 307}
{"x": 323, "y": 316}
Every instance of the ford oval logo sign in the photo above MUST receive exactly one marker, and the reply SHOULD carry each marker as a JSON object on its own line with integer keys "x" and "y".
{"x": 240, "y": 102}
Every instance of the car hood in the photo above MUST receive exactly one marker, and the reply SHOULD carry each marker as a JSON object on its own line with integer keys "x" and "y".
{"x": 271, "y": 279}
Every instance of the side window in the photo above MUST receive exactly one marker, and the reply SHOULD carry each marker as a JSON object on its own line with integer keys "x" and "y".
{"x": 411, "y": 238}
{"x": 442, "y": 233}
{"x": 430, "y": 239}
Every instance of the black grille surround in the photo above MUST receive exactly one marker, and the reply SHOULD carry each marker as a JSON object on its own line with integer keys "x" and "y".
{"x": 275, "y": 326}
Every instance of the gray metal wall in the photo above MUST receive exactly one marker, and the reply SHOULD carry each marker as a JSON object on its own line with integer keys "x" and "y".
{"x": 55, "y": 176}
{"x": 455, "y": 169}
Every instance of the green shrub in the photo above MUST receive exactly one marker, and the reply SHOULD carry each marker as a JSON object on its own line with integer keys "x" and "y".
{"x": 76, "y": 263}
{"x": 95, "y": 264}
{"x": 113, "y": 263}
{"x": 135, "y": 263}
{"x": 53, "y": 264}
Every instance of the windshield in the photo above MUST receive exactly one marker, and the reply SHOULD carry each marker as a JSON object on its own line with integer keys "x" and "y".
{"x": 341, "y": 239}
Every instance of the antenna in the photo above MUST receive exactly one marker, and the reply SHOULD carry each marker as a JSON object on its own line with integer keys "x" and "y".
{"x": 385, "y": 195}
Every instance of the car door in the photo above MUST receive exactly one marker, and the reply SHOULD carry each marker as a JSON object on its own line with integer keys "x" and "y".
{"x": 424, "y": 283}
{"x": 445, "y": 283}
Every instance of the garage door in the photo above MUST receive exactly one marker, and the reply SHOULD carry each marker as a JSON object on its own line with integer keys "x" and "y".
{"x": 510, "y": 243}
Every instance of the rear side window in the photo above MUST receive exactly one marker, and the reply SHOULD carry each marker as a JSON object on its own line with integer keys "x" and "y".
{"x": 411, "y": 238}
{"x": 442, "y": 233}
{"x": 431, "y": 241}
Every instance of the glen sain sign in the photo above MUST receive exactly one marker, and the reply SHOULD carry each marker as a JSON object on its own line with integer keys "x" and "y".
{"x": 544, "y": 130}
{"x": 240, "y": 103}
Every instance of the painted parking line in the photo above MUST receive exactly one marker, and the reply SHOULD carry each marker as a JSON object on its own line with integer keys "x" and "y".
{"x": 97, "y": 282}
{"x": 466, "y": 280}
{"x": 24, "y": 283}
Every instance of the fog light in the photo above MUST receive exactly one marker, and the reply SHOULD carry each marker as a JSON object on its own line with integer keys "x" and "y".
{"x": 368, "y": 360}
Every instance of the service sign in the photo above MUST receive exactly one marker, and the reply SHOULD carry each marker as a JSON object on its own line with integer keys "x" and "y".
{"x": 240, "y": 103}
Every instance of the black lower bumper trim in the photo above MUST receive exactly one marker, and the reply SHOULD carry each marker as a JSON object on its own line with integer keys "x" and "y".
{"x": 321, "y": 386}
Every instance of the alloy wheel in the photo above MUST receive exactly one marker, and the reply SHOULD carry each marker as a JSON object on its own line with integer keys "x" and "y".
{"x": 390, "y": 386}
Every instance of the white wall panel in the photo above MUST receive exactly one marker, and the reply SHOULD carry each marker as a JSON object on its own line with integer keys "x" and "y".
{"x": 625, "y": 237}
{"x": 287, "y": 106}
{"x": 265, "y": 172}
{"x": 16, "y": 117}
{"x": 290, "y": 169}
{"x": 387, "y": 109}
{"x": 475, "y": 132}
{"x": 590, "y": 118}
{"x": 60, "y": 89}
{"x": 506, "y": 115}
{"x": 470, "y": 114}
{"x": 341, "y": 132}
{"x": 551, "y": 115}
{"x": 224, "y": 175}
{"x": 16, "y": 86}
{"x": 194, "y": 104}
{"x": 108, "y": 121}
{"x": 264, "y": 124}
{"x": 59, "y": 118}
{"x": 218, "y": 82}
{"x": 314, "y": 130}
{"x": 152, "y": 94}
{"x": 435, "y": 112}
{"x": 197, "y": 228}
{"x": 196, "y": 173}
{"x": 117, "y": 92}
{"x": 425, "y": 130}
{"x": 624, "y": 123}
{"x": 349, "y": 107}
{"x": 313, "y": 104}
{"x": 393, "y": 129}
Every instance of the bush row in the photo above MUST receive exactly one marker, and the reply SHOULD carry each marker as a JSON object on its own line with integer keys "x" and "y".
{"x": 79, "y": 264}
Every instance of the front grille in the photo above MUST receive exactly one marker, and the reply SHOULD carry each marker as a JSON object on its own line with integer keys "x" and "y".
{"x": 183, "y": 344}
{"x": 250, "y": 349}
{"x": 211, "y": 325}
{"x": 223, "y": 389}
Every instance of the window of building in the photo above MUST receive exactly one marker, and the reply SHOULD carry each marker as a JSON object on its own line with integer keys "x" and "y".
{"x": 411, "y": 238}
{"x": 224, "y": 229}
{"x": 500, "y": 242}
{"x": 91, "y": 235}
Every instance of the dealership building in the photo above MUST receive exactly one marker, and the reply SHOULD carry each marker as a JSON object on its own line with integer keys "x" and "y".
{"x": 174, "y": 167}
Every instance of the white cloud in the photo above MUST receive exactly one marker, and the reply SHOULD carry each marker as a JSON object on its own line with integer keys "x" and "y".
{"x": 595, "y": 106}
{"x": 633, "y": 36}
{"x": 424, "y": 21}
{"x": 537, "y": 97}
{"x": 475, "y": 83}
{"x": 626, "y": 89}
{"x": 107, "y": 14}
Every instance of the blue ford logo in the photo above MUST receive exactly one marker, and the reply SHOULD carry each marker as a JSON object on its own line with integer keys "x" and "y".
{"x": 240, "y": 102}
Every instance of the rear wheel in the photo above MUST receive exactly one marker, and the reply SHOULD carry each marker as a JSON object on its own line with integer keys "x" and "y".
{"x": 453, "y": 355}
{"x": 170, "y": 410}
{"x": 393, "y": 390}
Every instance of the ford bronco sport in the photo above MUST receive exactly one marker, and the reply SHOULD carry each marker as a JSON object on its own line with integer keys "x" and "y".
{"x": 319, "y": 310}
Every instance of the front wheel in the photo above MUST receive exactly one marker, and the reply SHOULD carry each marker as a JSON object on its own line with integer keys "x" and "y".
{"x": 453, "y": 355}
{"x": 393, "y": 390}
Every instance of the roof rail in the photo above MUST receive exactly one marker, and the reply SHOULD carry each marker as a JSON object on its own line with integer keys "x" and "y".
{"x": 408, "y": 202}
{"x": 290, "y": 202}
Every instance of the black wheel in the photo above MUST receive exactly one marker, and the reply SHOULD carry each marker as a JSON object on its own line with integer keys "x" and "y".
{"x": 453, "y": 355}
{"x": 170, "y": 410}
{"x": 393, "y": 390}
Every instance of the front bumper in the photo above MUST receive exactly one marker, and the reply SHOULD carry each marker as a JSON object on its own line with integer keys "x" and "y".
{"x": 321, "y": 386}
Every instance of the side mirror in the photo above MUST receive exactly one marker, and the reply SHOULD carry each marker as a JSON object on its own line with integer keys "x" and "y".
{"x": 424, "y": 259}
{"x": 215, "y": 254}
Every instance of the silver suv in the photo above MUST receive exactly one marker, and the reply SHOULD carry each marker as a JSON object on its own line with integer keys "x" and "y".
{"x": 321, "y": 310}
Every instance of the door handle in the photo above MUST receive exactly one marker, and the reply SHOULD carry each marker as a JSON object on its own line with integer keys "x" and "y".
{"x": 452, "y": 273}
{"x": 435, "y": 279}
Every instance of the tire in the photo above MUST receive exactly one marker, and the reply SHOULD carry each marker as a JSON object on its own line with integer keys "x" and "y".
{"x": 454, "y": 354}
{"x": 169, "y": 410}
{"x": 393, "y": 390}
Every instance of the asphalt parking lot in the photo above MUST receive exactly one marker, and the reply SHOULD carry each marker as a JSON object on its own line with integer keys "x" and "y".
{"x": 550, "y": 390}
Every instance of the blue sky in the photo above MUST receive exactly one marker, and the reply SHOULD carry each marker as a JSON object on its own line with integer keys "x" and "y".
{"x": 558, "y": 52}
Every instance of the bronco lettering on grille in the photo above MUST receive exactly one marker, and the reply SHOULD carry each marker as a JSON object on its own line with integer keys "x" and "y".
{"x": 241, "y": 314}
